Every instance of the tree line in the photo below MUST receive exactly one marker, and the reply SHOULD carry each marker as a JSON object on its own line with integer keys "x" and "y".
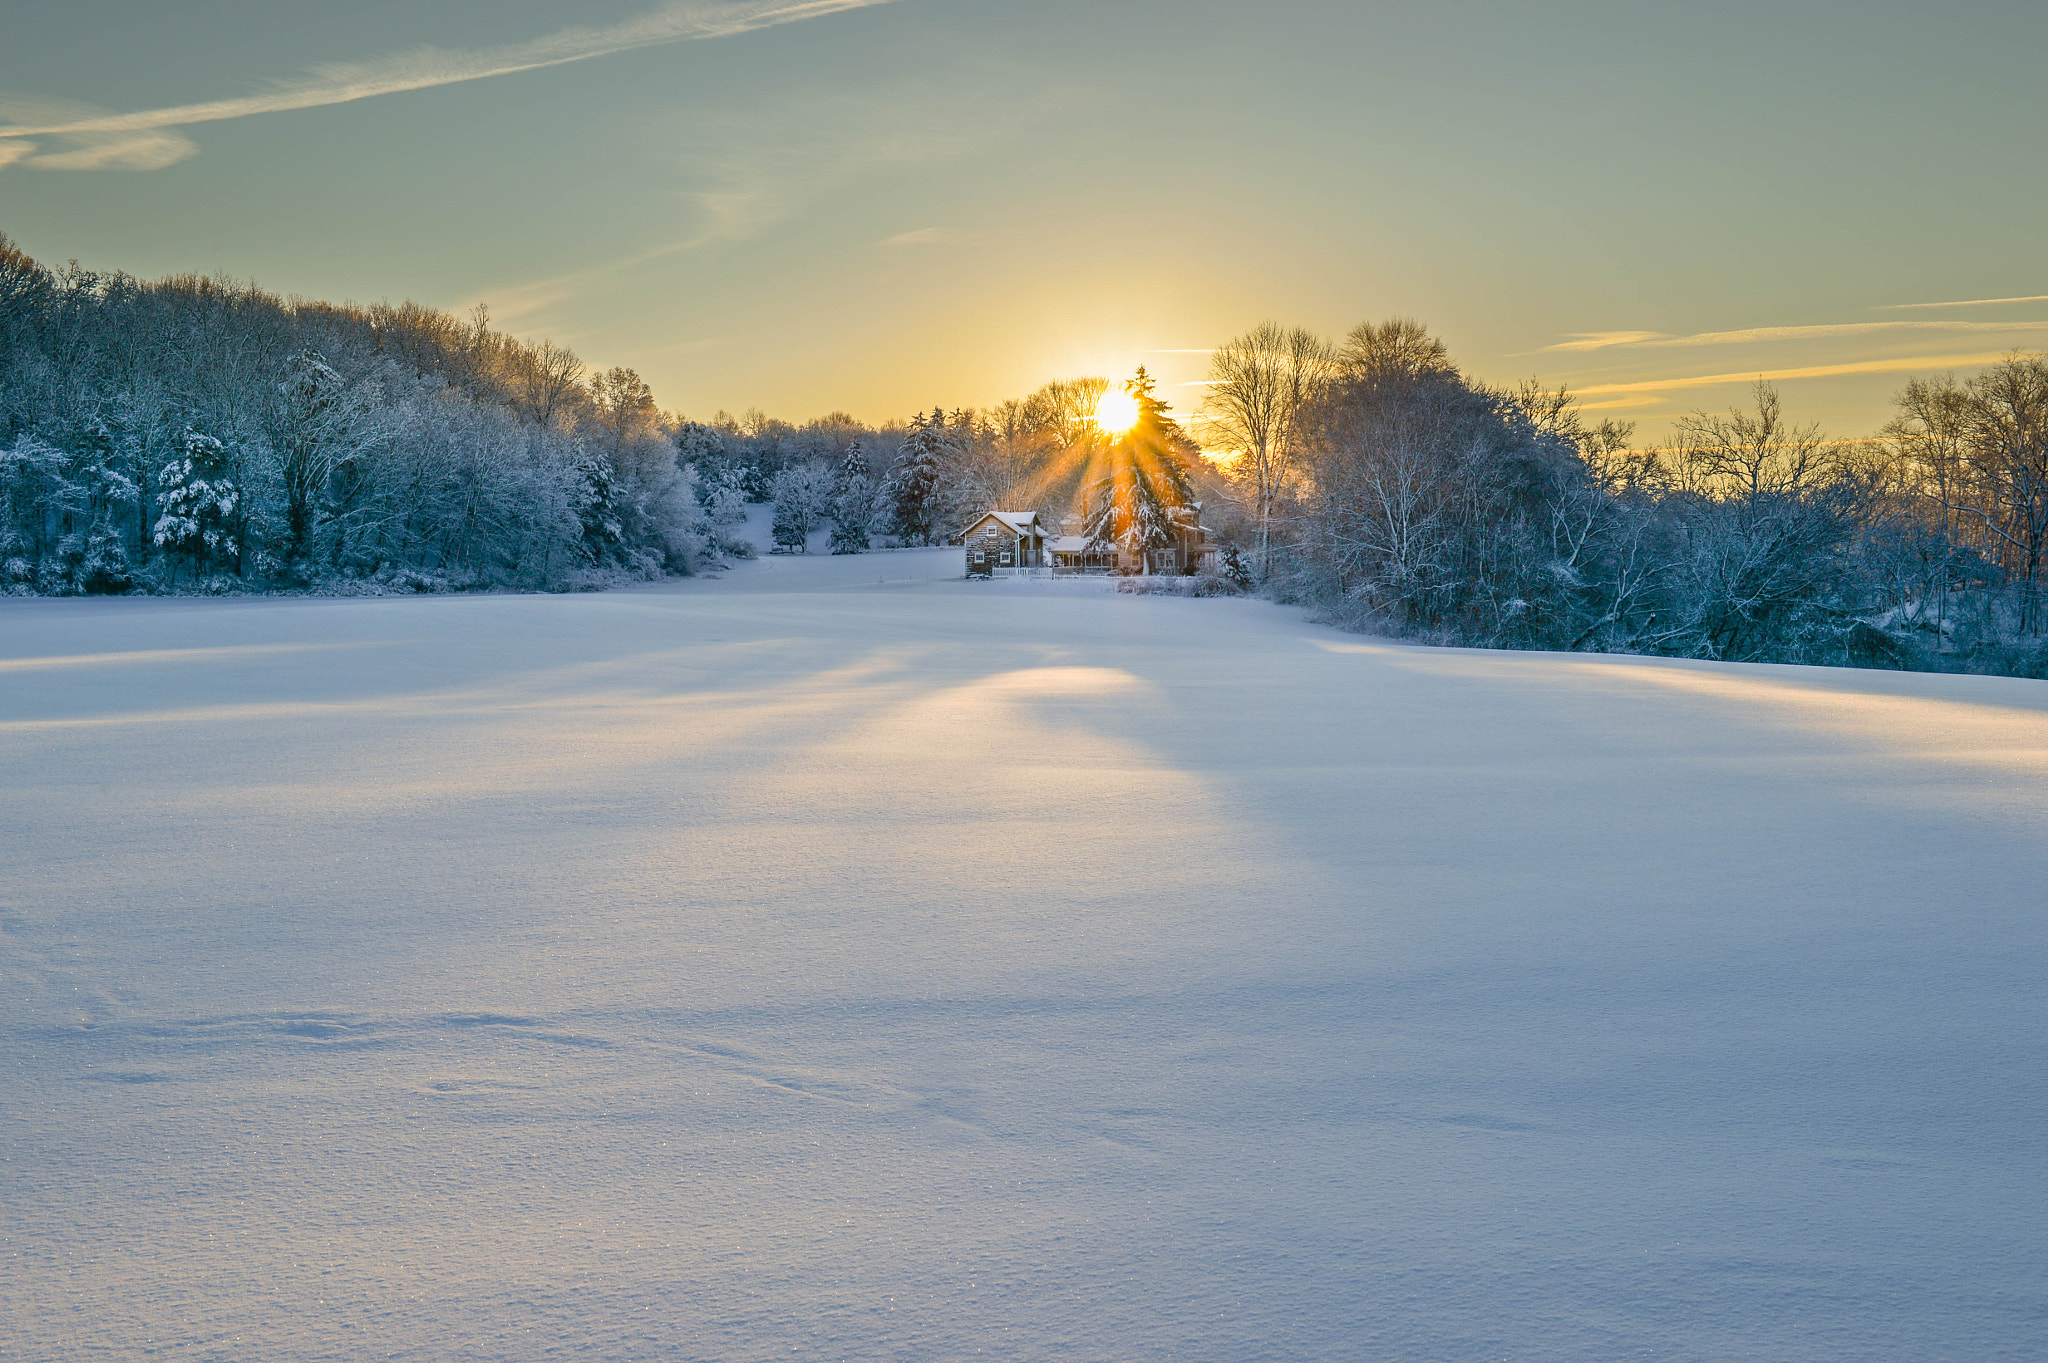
{"x": 920, "y": 482}
{"x": 1392, "y": 493}
{"x": 197, "y": 432}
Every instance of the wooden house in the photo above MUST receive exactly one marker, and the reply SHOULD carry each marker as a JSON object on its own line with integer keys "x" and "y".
{"x": 1078, "y": 554}
{"x": 1018, "y": 544}
{"x": 1007, "y": 544}
{"x": 1192, "y": 551}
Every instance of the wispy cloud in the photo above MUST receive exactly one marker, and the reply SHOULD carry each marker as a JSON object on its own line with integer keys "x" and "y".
{"x": 1652, "y": 340}
{"x": 1897, "y": 365}
{"x": 923, "y": 236}
{"x": 761, "y": 168}
{"x": 1627, "y": 403}
{"x": 125, "y": 149}
{"x": 100, "y": 140}
{"x": 728, "y": 216}
{"x": 1966, "y": 303}
{"x": 1601, "y": 340}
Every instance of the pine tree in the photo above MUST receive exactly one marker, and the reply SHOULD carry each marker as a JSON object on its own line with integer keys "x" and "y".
{"x": 102, "y": 563}
{"x": 914, "y": 489}
{"x": 598, "y": 509}
{"x": 853, "y": 503}
{"x": 803, "y": 494}
{"x": 1143, "y": 496}
{"x": 201, "y": 503}
{"x": 724, "y": 495}
{"x": 89, "y": 497}
{"x": 104, "y": 569}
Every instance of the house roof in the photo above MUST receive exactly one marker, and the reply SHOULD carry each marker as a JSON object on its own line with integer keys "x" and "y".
{"x": 1069, "y": 544}
{"x": 1018, "y": 522}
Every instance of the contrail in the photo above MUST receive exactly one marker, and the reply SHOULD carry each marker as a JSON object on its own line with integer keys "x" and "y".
{"x": 424, "y": 68}
{"x": 1651, "y": 340}
{"x": 1902, "y": 365}
{"x": 1965, "y": 303}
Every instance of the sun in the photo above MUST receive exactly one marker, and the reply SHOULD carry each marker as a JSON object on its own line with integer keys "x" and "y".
{"x": 1117, "y": 412}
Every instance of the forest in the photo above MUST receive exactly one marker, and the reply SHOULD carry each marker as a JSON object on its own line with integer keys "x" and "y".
{"x": 1394, "y": 494}
{"x": 197, "y": 434}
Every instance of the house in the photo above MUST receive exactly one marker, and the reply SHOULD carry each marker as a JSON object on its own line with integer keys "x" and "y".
{"x": 1079, "y": 554}
{"x": 1017, "y": 544}
{"x": 1192, "y": 551}
{"x": 1007, "y": 544}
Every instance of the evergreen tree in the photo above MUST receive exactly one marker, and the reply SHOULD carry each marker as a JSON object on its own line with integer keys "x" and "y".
{"x": 89, "y": 498}
{"x": 1143, "y": 495}
{"x": 106, "y": 495}
{"x": 104, "y": 568}
{"x": 853, "y": 503}
{"x": 201, "y": 504}
{"x": 723, "y": 492}
{"x": 598, "y": 510}
{"x": 803, "y": 494}
{"x": 914, "y": 489}
{"x": 1236, "y": 569}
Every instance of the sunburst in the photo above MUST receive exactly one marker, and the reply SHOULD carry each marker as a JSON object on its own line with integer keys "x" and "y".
{"x": 1117, "y": 412}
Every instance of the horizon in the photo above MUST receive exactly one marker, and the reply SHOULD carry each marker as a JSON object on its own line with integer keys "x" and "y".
{"x": 863, "y": 205}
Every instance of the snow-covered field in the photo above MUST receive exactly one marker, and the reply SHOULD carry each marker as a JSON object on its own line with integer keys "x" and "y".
{"x": 840, "y": 961}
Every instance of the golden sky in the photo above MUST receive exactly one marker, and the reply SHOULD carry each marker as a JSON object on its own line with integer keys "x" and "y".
{"x": 881, "y": 205}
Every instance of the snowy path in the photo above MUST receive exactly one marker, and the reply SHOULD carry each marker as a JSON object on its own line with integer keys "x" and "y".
{"x": 801, "y": 965}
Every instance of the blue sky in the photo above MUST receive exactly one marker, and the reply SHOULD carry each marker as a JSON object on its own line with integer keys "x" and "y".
{"x": 882, "y": 206}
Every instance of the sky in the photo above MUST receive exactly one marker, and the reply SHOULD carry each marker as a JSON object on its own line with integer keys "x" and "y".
{"x": 877, "y": 206}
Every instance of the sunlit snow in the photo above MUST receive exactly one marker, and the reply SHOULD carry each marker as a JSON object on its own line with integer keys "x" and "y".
{"x": 842, "y": 960}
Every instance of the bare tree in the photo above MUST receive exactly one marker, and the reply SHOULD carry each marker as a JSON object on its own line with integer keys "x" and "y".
{"x": 1399, "y": 347}
{"x": 2008, "y": 446}
{"x": 1259, "y": 383}
{"x": 1752, "y": 453}
{"x": 546, "y": 378}
{"x": 1928, "y": 444}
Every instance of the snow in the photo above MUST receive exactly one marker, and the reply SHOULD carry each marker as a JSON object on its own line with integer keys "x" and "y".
{"x": 841, "y": 960}
{"x": 1019, "y": 521}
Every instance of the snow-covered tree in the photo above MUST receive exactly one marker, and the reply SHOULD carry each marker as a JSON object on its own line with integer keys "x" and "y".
{"x": 914, "y": 486}
{"x": 365, "y": 442}
{"x": 803, "y": 497}
{"x": 100, "y": 495}
{"x": 315, "y": 421}
{"x": 853, "y": 502}
{"x": 723, "y": 491}
{"x": 598, "y": 509}
{"x": 34, "y": 489}
{"x": 1143, "y": 495}
{"x": 201, "y": 503}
